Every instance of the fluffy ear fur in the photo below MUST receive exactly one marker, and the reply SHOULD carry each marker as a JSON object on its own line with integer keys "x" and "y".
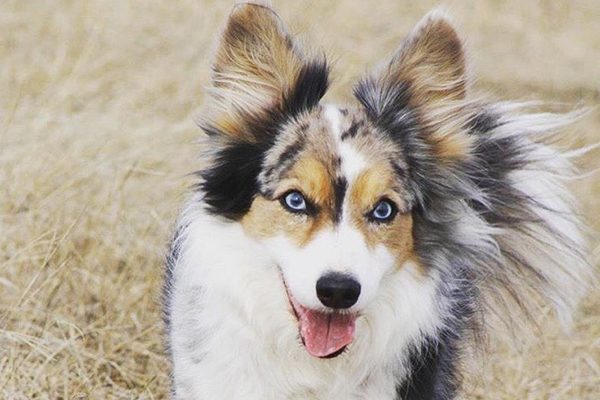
{"x": 259, "y": 71}
{"x": 432, "y": 61}
{"x": 260, "y": 81}
{"x": 428, "y": 74}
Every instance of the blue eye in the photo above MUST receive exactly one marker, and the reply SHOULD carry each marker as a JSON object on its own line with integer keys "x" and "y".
{"x": 294, "y": 202}
{"x": 384, "y": 211}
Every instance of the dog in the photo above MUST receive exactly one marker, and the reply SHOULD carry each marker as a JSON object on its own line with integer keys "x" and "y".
{"x": 352, "y": 251}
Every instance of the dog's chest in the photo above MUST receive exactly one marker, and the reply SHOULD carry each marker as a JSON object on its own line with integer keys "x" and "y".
{"x": 247, "y": 369}
{"x": 252, "y": 356}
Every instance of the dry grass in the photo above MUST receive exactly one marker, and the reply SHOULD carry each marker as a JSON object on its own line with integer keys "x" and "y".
{"x": 97, "y": 100}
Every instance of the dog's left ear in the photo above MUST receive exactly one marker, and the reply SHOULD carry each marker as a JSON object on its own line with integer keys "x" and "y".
{"x": 260, "y": 80}
{"x": 432, "y": 61}
{"x": 259, "y": 76}
{"x": 426, "y": 79}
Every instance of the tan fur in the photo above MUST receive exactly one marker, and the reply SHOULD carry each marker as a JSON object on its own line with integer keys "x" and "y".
{"x": 313, "y": 174}
{"x": 256, "y": 63}
{"x": 313, "y": 178}
{"x": 268, "y": 218}
{"x": 432, "y": 62}
{"x": 371, "y": 186}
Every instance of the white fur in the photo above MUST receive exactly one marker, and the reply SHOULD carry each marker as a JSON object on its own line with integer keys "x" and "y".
{"x": 233, "y": 333}
{"x": 341, "y": 248}
{"x": 353, "y": 162}
{"x": 543, "y": 183}
{"x": 234, "y": 336}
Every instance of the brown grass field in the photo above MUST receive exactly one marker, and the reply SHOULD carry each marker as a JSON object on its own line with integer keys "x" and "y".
{"x": 97, "y": 107}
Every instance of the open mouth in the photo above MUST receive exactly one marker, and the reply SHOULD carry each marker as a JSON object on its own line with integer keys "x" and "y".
{"x": 324, "y": 334}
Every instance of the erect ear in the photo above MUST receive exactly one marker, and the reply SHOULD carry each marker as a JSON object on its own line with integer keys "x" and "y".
{"x": 427, "y": 79}
{"x": 259, "y": 76}
{"x": 432, "y": 61}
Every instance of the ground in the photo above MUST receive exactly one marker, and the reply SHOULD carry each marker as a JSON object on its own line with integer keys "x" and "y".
{"x": 97, "y": 107}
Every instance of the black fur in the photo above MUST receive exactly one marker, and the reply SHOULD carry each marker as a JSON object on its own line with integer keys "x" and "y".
{"x": 352, "y": 131}
{"x": 399, "y": 171}
{"x": 387, "y": 105}
{"x": 433, "y": 375}
{"x": 384, "y": 101}
{"x": 340, "y": 186}
{"x": 230, "y": 184}
{"x": 310, "y": 87}
{"x": 484, "y": 122}
{"x": 288, "y": 155}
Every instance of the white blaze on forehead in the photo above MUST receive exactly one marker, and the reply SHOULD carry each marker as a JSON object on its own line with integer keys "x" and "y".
{"x": 352, "y": 161}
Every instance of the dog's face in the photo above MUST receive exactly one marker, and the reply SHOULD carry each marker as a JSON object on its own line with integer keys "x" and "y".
{"x": 330, "y": 191}
{"x": 335, "y": 215}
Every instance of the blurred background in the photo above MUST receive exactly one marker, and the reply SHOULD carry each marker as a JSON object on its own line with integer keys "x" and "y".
{"x": 97, "y": 107}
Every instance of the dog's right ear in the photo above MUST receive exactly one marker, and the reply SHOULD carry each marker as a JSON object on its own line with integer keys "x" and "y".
{"x": 259, "y": 76}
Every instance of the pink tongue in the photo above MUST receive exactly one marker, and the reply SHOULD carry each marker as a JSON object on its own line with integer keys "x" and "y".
{"x": 325, "y": 333}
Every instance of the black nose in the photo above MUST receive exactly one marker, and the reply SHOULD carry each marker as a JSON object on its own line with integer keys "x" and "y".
{"x": 337, "y": 290}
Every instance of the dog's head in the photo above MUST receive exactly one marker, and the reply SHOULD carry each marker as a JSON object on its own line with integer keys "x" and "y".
{"x": 331, "y": 191}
